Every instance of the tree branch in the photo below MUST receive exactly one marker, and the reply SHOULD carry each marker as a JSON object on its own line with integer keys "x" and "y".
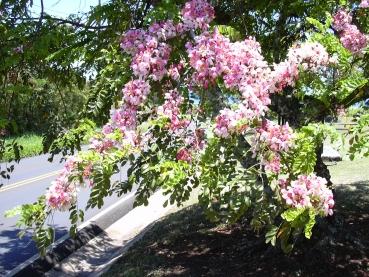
{"x": 61, "y": 21}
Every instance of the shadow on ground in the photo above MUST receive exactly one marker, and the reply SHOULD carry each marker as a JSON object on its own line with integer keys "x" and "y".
{"x": 14, "y": 251}
{"x": 186, "y": 244}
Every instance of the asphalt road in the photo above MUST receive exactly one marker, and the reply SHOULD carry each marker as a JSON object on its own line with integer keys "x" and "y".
{"x": 30, "y": 179}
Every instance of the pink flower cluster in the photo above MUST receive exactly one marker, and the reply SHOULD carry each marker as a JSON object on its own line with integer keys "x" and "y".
{"x": 174, "y": 70}
{"x": 197, "y": 14}
{"x": 101, "y": 145}
{"x": 284, "y": 75}
{"x": 240, "y": 64}
{"x": 62, "y": 194}
{"x": 310, "y": 56}
{"x": 150, "y": 54}
{"x": 277, "y": 138}
{"x": 194, "y": 141}
{"x": 163, "y": 30}
{"x": 230, "y": 122}
{"x": 350, "y": 36}
{"x": 135, "y": 92}
{"x": 272, "y": 139}
{"x": 341, "y": 19}
{"x": 272, "y": 163}
{"x": 242, "y": 67}
{"x": 206, "y": 57}
{"x": 124, "y": 120}
{"x": 133, "y": 41}
{"x": 364, "y": 4}
{"x": 171, "y": 109}
{"x": 151, "y": 62}
{"x": 148, "y": 48}
{"x": 309, "y": 192}
{"x": 184, "y": 154}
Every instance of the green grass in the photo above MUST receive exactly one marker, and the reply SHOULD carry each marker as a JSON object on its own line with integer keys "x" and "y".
{"x": 347, "y": 172}
{"x": 31, "y": 143}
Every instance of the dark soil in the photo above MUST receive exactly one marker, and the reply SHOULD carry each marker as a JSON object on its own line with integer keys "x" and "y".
{"x": 186, "y": 244}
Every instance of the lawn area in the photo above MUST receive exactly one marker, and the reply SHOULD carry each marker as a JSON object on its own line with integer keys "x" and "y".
{"x": 186, "y": 244}
{"x": 31, "y": 143}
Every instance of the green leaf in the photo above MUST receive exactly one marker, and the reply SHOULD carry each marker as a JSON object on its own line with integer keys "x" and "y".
{"x": 292, "y": 214}
{"x": 316, "y": 24}
{"x": 310, "y": 224}
{"x": 229, "y": 31}
{"x": 13, "y": 212}
{"x": 271, "y": 235}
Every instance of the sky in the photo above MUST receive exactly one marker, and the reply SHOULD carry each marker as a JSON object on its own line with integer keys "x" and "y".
{"x": 63, "y": 8}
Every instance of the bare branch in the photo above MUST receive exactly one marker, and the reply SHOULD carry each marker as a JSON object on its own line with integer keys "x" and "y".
{"x": 61, "y": 21}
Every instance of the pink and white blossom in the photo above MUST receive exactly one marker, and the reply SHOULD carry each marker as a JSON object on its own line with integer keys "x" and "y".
{"x": 309, "y": 191}
{"x": 364, "y": 4}
{"x": 350, "y": 36}
{"x": 197, "y": 14}
{"x": 135, "y": 92}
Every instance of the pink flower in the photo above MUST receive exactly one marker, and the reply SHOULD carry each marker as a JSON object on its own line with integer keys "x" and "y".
{"x": 341, "y": 19}
{"x": 124, "y": 118}
{"x": 309, "y": 191}
{"x": 197, "y": 14}
{"x": 205, "y": 56}
{"x": 61, "y": 195}
{"x": 135, "y": 92}
{"x": 130, "y": 138}
{"x": 70, "y": 164}
{"x": 296, "y": 195}
{"x": 173, "y": 71}
{"x": 230, "y": 122}
{"x": 163, "y": 30}
{"x": 276, "y": 137}
{"x": 350, "y": 36}
{"x": 86, "y": 174}
{"x": 364, "y": 4}
{"x": 101, "y": 145}
{"x": 184, "y": 155}
{"x": 133, "y": 40}
{"x": 353, "y": 40}
{"x": 282, "y": 183}
{"x": 151, "y": 62}
{"x": 107, "y": 129}
{"x": 171, "y": 109}
{"x": 284, "y": 74}
{"x": 273, "y": 164}
{"x": 310, "y": 55}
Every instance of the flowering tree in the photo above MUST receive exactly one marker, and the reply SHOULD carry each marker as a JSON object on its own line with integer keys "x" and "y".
{"x": 201, "y": 110}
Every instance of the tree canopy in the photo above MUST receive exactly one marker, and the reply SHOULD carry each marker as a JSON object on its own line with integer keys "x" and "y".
{"x": 227, "y": 97}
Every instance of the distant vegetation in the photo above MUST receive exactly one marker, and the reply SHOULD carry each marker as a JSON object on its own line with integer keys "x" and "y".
{"x": 31, "y": 146}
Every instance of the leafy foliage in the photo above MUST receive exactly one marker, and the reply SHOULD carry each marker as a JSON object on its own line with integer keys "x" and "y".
{"x": 231, "y": 173}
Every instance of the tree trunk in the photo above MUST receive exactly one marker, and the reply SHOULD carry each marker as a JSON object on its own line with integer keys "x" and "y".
{"x": 320, "y": 168}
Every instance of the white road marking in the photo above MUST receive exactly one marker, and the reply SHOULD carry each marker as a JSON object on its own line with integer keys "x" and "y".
{"x": 28, "y": 181}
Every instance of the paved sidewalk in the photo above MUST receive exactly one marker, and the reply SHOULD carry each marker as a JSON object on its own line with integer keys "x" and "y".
{"x": 330, "y": 154}
{"x": 101, "y": 252}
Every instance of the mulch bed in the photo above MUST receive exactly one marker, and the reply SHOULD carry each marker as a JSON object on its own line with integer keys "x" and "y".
{"x": 186, "y": 244}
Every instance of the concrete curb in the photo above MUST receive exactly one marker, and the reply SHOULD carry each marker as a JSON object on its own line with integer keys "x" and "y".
{"x": 65, "y": 246}
{"x": 96, "y": 257}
